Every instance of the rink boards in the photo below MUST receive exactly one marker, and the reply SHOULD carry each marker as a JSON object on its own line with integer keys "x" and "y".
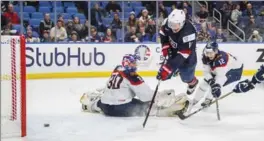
{"x": 98, "y": 60}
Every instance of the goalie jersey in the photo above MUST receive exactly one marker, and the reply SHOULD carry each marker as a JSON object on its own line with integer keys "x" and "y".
{"x": 122, "y": 87}
{"x": 223, "y": 68}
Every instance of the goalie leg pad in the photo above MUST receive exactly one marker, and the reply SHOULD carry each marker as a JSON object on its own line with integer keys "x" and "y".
{"x": 167, "y": 107}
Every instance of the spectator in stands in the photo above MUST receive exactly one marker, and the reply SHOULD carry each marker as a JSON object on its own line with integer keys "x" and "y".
{"x": 161, "y": 18}
{"x": 86, "y": 28}
{"x": 226, "y": 13}
{"x": 132, "y": 21}
{"x": 69, "y": 27}
{"x": 7, "y": 29}
{"x": 144, "y": 16}
{"x": 249, "y": 11}
{"x": 202, "y": 14}
{"x": 243, "y": 5}
{"x": 188, "y": 16}
{"x": 174, "y": 6}
{"x": 162, "y": 10}
{"x": 10, "y": 14}
{"x": 97, "y": 14}
{"x": 251, "y": 26}
{"x": 74, "y": 37}
{"x": 45, "y": 37}
{"x": 261, "y": 11}
{"x": 142, "y": 35}
{"x": 112, "y": 6}
{"x": 109, "y": 37}
{"x": 61, "y": 18}
{"x": 255, "y": 37}
{"x": 236, "y": 13}
{"x": 30, "y": 38}
{"x": 186, "y": 5}
{"x": 219, "y": 36}
{"x": 94, "y": 35}
{"x": 131, "y": 36}
{"x": 116, "y": 23}
{"x": 46, "y": 24}
{"x": 151, "y": 27}
{"x": 58, "y": 32}
{"x": 78, "y": 27}
{"x": 203, "y": 35}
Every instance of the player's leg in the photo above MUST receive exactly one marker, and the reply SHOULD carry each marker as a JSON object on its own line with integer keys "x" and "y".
{"x": 133, "y": 108}
{"x": 187, "y": 75}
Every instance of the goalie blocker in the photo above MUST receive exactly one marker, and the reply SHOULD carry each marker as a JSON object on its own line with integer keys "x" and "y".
{"x": 126, "y": 94}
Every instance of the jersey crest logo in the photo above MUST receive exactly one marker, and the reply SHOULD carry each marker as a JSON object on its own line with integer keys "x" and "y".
{"x": 173, "y": 44}
{"x": 144, "y": 54}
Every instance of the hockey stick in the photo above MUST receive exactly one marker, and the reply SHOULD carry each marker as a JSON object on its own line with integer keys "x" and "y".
{"x": 151, "y": 104}
{"x": 217, "y": 109}
{"x": 183, "y": 117}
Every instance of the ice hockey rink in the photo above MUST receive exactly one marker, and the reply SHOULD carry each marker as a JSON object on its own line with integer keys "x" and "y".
{"x": 56, "y": 102}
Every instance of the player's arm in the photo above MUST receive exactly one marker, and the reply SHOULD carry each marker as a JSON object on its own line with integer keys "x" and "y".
{"x": 164, "y": 39}
{"x": 220, "y": 78}
{"x": 246, "y": 85}
{"x": 140, "y": 88}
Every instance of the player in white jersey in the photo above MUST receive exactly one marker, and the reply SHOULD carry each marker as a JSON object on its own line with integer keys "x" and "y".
{"x": 220, "y": 69}
{"x": 126, "y": 94}
{"x": 246, "y": 85}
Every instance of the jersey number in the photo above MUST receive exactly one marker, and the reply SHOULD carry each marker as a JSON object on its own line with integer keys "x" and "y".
{"x": 221, "y": 61}
{"x": 114, "y": 82}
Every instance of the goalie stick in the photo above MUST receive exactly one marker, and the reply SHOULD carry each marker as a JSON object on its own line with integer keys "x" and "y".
{"x": 183, "y": 117}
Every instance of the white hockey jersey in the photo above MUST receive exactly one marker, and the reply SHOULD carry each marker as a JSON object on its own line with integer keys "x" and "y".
{"x": 122, "y": 88}
{"x": 220, "y": 67}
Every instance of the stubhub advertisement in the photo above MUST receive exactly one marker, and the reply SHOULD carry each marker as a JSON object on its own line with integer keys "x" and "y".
{"x": 44, "y": 58}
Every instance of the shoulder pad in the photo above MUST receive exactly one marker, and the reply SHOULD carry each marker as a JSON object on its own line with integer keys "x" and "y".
{"x": 134, "y": 79}
{"x": 221, "y": 60}
{"x": 164, "y": 22}
{"x": 118, "y": 68}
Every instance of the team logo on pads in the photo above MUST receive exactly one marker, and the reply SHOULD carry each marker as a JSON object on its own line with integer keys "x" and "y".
{"x": 144, "y": 54}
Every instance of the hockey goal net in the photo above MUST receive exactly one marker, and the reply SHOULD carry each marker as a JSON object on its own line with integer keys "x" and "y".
{"x": 13, "y": 86}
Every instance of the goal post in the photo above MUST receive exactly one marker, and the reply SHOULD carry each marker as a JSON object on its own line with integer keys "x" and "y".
{"x": 13, "y": 86}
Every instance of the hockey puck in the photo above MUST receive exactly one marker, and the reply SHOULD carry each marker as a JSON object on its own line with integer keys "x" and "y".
{"x": 46, "y": 125}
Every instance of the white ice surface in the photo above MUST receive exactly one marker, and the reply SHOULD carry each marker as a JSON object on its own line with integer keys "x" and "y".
{"x": 57, "y": 102}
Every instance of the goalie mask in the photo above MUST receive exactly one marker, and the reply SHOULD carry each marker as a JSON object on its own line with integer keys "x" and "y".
{"x": 129, "y": 63}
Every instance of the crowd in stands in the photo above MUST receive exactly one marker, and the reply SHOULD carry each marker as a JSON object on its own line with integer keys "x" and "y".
{"x": 129, "y": 21}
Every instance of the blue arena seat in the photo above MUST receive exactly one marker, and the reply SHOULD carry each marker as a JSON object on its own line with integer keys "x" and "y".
{"x": 29, "y": 9}
{"x": 44, "y": 9}
{"x": 37, "y": 15}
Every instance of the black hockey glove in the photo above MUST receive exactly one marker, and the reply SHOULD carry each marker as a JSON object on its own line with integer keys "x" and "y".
{"x": 259, "y": 76}
{"x": 243, "y": 86}
{"x": 216, "y": 88}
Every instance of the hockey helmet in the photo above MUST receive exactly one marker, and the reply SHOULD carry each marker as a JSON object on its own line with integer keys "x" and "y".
{"x": 176, "y": 20}
{"x": 211, "y": 49}
{"x": 129, "y": 62}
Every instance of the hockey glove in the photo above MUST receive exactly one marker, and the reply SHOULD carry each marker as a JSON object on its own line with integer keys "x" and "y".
{"x": 216, "y": 90}
{"x": 259, "y": 76}
{"x": 165, "y": 72}
{"x": 167, "y": 50}
{"x": 243, "y": 86}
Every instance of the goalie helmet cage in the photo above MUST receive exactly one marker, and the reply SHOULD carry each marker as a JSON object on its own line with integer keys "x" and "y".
{"x": 13, "y": 86}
